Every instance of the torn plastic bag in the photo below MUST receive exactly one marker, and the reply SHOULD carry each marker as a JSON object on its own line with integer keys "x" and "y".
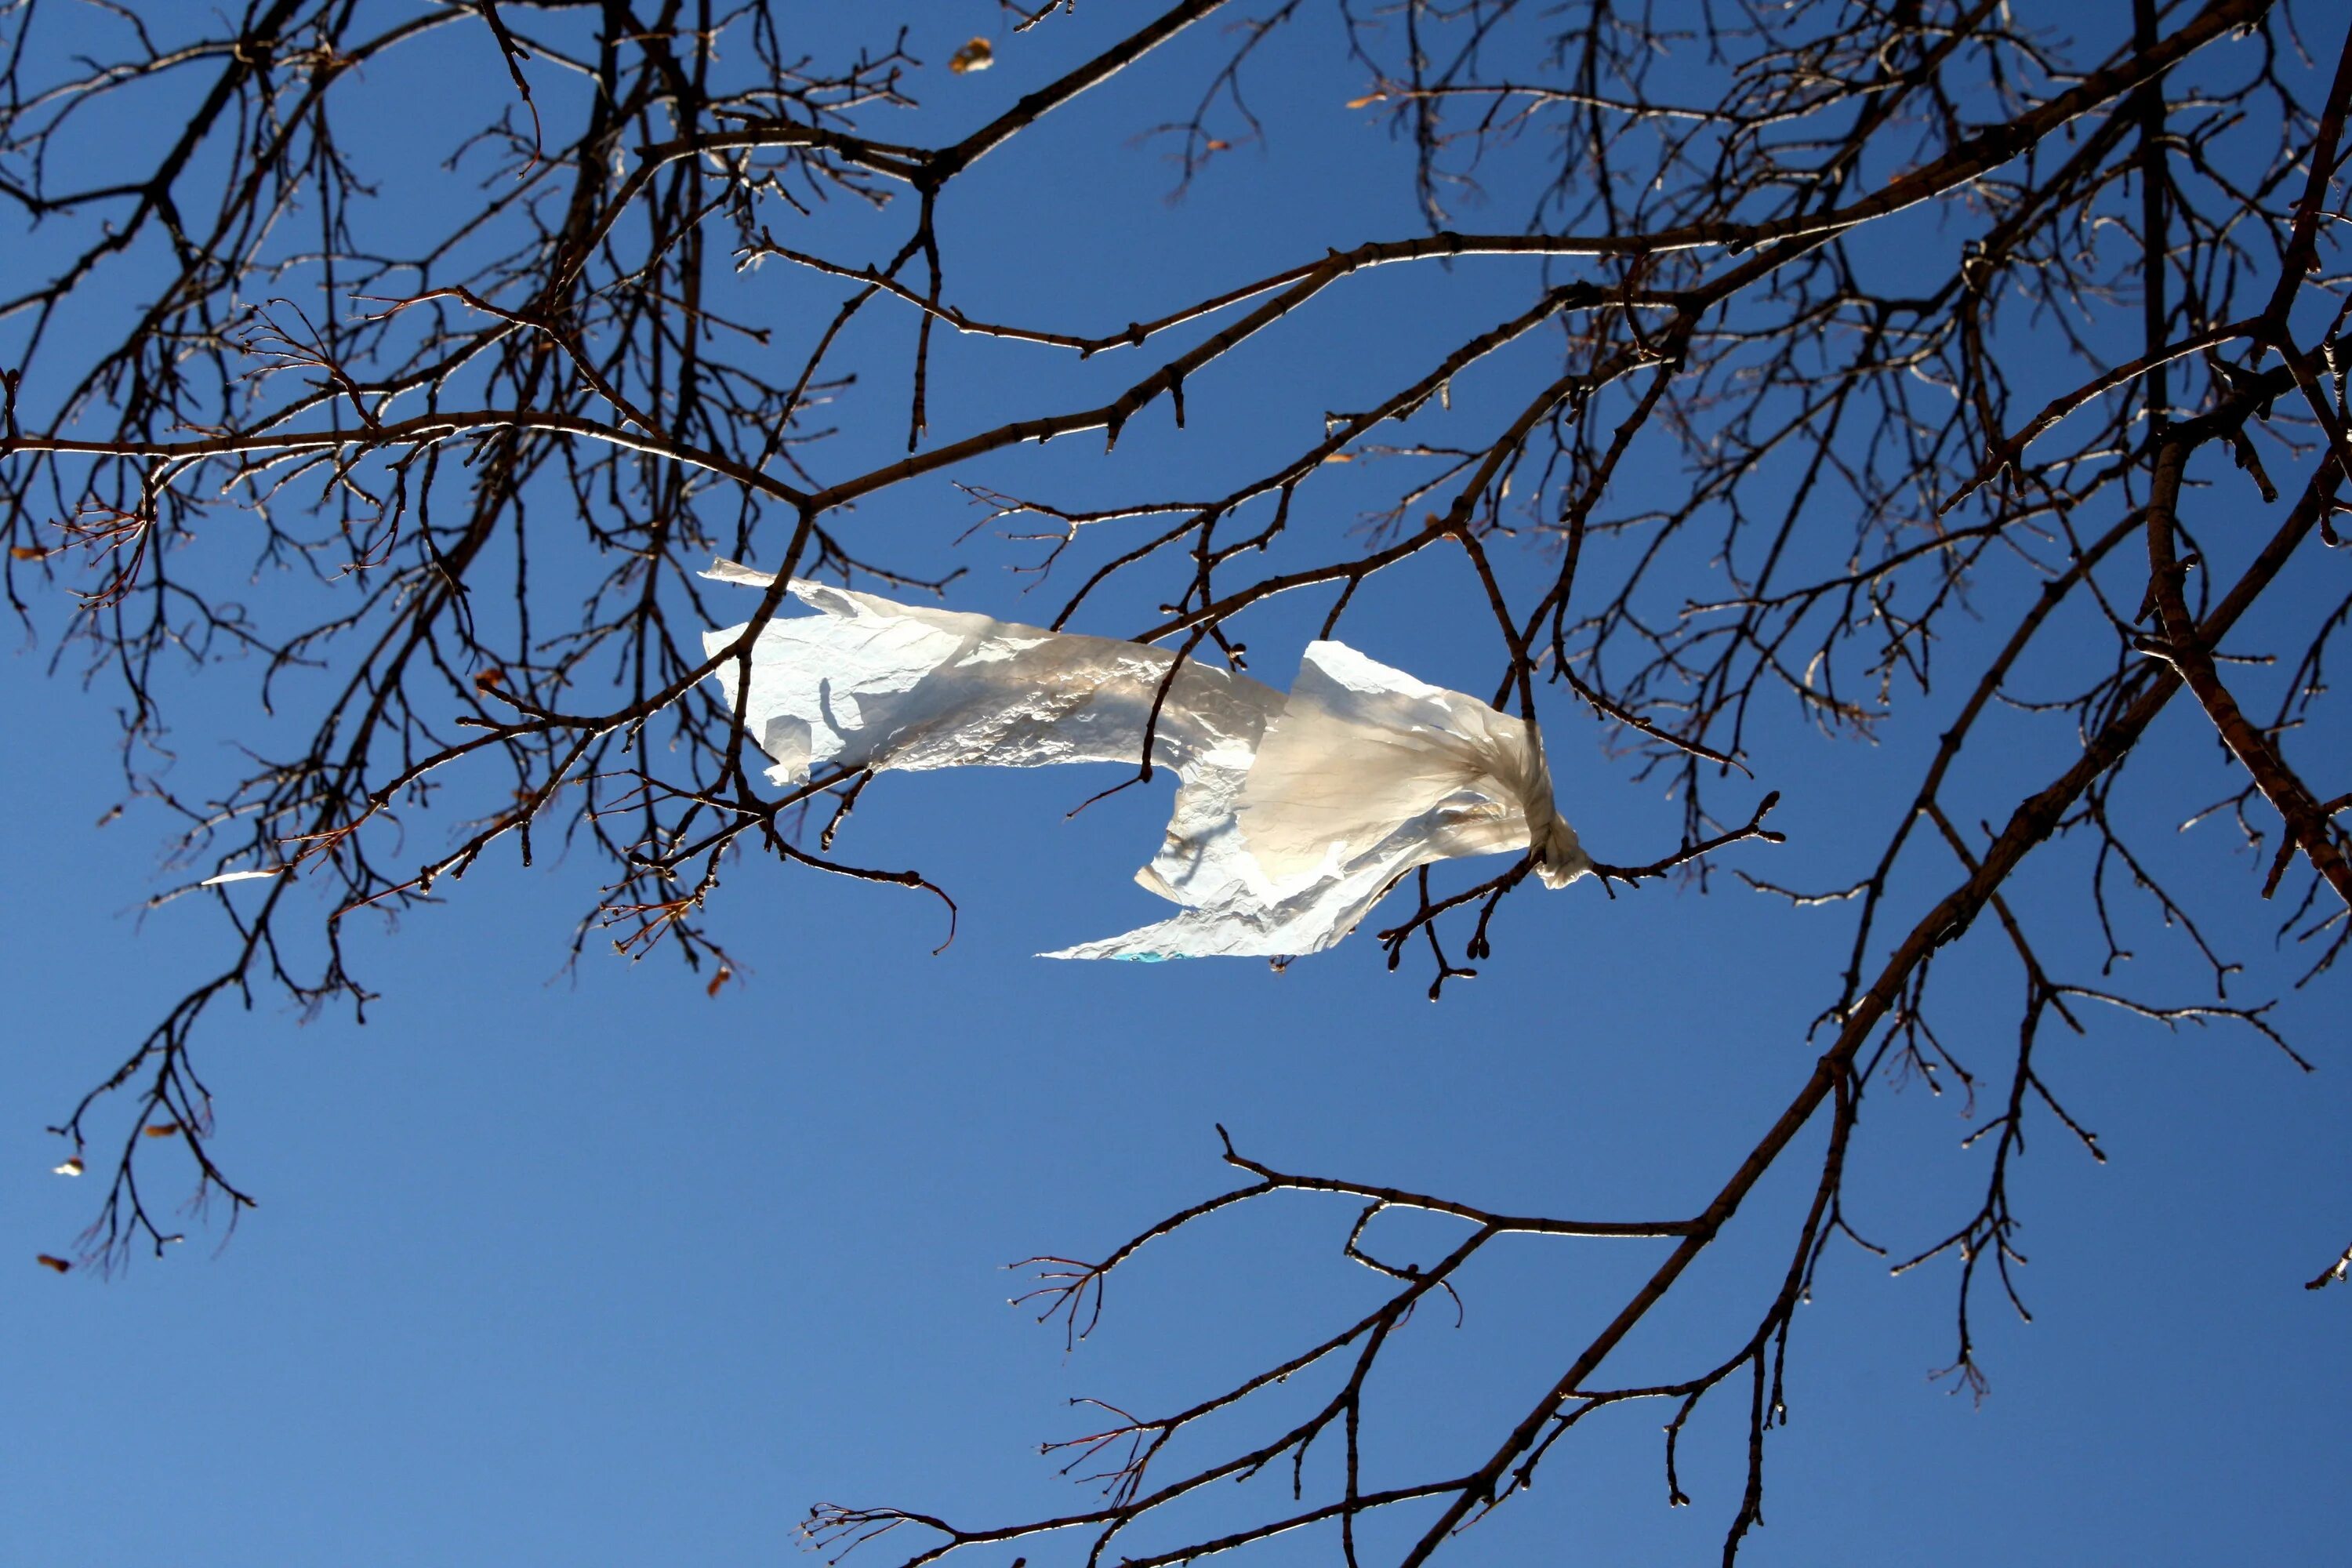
{"x": 1294, "y": 814}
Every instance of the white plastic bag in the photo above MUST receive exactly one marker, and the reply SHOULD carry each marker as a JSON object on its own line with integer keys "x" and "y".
{"x": 1294, "y": 813}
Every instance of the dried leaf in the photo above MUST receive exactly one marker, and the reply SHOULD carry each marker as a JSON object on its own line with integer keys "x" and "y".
{"x": 72, "y": 1167}
{"x": 59, "y": 1264}
{"x": 161, "y": 1129}
{"x": 1366, "y": 102}
{"x": 28, "y": 551}
{"x": 1339, "y": 458}
{"x": 1214, "y": 145}
{"x": 975, "y": 55}
{"x": 717, "y": 980}
{"x": 489, "y": 679}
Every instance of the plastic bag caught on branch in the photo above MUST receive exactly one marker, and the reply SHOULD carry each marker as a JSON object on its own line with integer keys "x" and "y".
{"x": 1295, "y": 811}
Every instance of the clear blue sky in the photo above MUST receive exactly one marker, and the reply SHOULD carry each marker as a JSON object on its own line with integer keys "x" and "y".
{"x": 590, "y": 1270}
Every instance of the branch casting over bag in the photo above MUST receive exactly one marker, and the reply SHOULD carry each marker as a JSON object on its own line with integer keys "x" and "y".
{"x": 1294, "y": 814}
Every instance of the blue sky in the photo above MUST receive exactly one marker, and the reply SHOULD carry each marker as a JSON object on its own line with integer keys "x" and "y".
{"x": 587, "y": 1268}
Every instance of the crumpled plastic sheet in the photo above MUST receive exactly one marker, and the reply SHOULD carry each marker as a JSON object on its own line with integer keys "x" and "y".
{"x": 1296, "y": 812}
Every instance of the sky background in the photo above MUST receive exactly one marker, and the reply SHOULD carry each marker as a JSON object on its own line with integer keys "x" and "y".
{"x": 587, "y": 1268}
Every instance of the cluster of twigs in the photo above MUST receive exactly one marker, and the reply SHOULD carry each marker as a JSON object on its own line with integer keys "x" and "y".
{"x": 490, "y": 462}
